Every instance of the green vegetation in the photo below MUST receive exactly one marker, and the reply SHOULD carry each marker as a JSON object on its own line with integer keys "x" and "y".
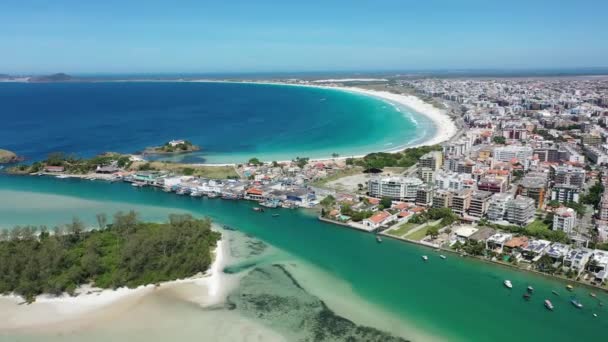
{"x": 595, "y": 195}
{"x": 471, "y": 247}
{"x": 419, "y": 234}
{"x": 185, "y": 146}
{"x": 126, "y": 252}
{"x": 328, "y": 201}
{"x": 254, "y": 162}
{"x": 205, "y": 171}
{"x": 499, "y": 140}
{"x": 402, "y": 229}
{"x": 301, "y": 162}
{"x": 386, "y": 202}
{"x": 540, "y": 229}
{"x": 75, "y": 165}
{"x": 381, "y": 160}
{"x": 356, "y": 216}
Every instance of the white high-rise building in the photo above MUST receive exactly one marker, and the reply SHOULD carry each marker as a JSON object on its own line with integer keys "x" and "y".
{"x": 507, "y": 153}
{"x": 564, "y": 219}
{"x": 397, "y": 188}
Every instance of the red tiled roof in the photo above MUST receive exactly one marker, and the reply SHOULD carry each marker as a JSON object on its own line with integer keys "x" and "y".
{"x": 254, "y": 191}
{"x": 379, "y": 217}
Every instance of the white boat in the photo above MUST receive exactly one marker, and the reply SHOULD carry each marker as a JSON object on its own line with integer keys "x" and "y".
{"x": 443, "y": 256}
{"x": 425, "y": 258}
{"x": 508, "y": 284}
{"x": 548, "y": 304}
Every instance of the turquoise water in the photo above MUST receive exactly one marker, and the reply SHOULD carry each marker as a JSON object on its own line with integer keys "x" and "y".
{"x": 232, "y": 122}
{"x": 457, "y": 299}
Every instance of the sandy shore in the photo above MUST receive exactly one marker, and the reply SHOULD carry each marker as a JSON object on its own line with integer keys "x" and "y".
{"x": 92, "y": 305}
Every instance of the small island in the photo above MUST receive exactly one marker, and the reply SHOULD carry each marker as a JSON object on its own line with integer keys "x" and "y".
{"x": 173, "y": 147}
{"x": 125, "y": 252}
{"x": 8, "y": 157}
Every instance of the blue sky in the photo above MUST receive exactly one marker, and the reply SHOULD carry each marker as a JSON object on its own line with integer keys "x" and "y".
{"x": 306, "y": 35}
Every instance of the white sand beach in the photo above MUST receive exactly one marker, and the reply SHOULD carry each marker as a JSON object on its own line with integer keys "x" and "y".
{"x": 92, "y": 306}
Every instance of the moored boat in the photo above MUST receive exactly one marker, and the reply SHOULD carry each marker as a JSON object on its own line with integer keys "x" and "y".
{"x": 548, "y": 304}
{"x": 569, "y": 287}
{"x": 378, "y": 239}
{"x": 508, "y": 284}
{"x": 576, "y": 303}
{"x": 555, "y": 293}
{"x": 526, "y": 296}
{"x": 443, "y": 256}
{"x": 425, "y": 258}
{"x": 530, "y": 289}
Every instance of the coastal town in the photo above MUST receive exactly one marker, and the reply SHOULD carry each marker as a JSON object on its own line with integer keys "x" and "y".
{"x": 521, "y": 183}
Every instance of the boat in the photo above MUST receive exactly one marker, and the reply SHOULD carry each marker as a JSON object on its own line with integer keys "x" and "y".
{"x": 555, "y": 293}
{"x": 508, "y": 284}
{"x": 526, "y": 296}
{"x": 425, "y": 258}
{"x": 594, "y": 315}
{"x": 548, "y": 304}
{"x": 592, "y": 295}
{"x": 570, "y": 287}
{"x": 212, "y": 195}
{"x": 576, "y": 303}
{"x": 138, "y": 184}
{"x": 530, "y": 289}
{"x": 275, "y": 215}
{"x": 378, "y": 239}
{"x": 443, "y": 256}
{"x": 258, "y": 209}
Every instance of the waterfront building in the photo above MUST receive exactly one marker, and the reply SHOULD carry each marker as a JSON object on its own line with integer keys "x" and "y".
{"x": 442, "y": 199}
{"x": 535, "y": 249}
{"x": 533, "y": 187}
{"x": 397, "y": 188}
{"x": 254, "y": 194}
{"x": 565, "y": 193}
{"x": 461, "y": 200}
{"x": 378, "y": 219}
{"x": 497, "y": 241}
{"x": 432, "y": 160}
{"x": 557, "y": 251}
{"x": 577, "y": 259}
{"x": 480, "y": 201}
{"x": 497, "y": 206}
{"x": 520, "y": 211}
{"x": 599, "y": 263}
{"x": 508, "y": 153}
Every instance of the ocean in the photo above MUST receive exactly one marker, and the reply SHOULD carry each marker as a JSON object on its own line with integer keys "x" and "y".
{"x": 231, "y": 122}
{"x": 385, "y": 286}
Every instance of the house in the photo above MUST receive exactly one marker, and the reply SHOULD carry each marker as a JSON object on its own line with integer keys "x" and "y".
{"x": 378, "y": 219}
{"x": 464, "y": 232}
{"x": 497, "y": 241}
{"x": 254, "y": 194}
{"x": 598, "y": 264}
{"x": 482, "y": 234}
{"x": 516, "y": 245}
{"x": 577, "y": 259}
{"x": 557, "y": 251}
{"x": 535, "y": 249}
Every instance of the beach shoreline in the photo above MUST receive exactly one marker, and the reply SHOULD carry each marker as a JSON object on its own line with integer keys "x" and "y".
{"x": 92, "y": 305}
{"x": 445, "y": 127}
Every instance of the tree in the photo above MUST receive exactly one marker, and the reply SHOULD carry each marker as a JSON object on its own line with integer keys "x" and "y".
{"x": 301, "y": 162}
{"x": 56, "y": 158}
{"x": 386, "y": 202}
{"x": 499, "y": 140}
{"x": 328, "y": 201}
{"x": 102, "y": 220}
{"x": 360, "y": 187}
{"x": 335, "y": 155}
{"x": 433, "y": 231}
{"x": 254, "y": 162}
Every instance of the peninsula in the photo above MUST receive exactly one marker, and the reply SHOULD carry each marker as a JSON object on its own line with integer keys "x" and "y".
{"x": 125, "y": 252}
{"x": 8, "y": 157}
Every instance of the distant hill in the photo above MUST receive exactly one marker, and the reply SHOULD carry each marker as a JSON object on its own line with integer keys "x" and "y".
{"x": 8, "y": 157}
{"x": 60, "y": 77}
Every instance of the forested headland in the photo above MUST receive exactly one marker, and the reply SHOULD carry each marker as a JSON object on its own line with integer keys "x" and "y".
{"x": 125, "y": 252}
